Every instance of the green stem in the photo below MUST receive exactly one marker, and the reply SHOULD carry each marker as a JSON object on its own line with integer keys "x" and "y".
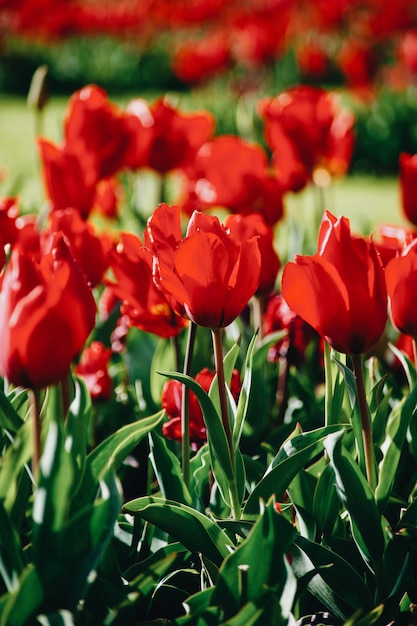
{"x": 368, "y": 445}
{"x": 65, "y": 394}
{"x": 256, "y": 304}
{"x": 328, "y": 385}
{"x": 224, "y": 408}
{"x": 35, "y": 408}
{"x": 185, "y": 413}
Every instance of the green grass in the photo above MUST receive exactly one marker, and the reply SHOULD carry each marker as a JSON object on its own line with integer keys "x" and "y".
{"x": 366, "y": 200}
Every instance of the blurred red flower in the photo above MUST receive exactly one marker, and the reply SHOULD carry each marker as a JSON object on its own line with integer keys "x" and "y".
{"x": 391, "y": 239}
{"x": 172, "y": 400}
{"x": 143, "y": 304}
{"x": 279, "y": 316}
{"x": 306, "y": 129}
{"x": 196, "y": 60}
{"x": 47, "y": 312}
{"x": 93, "y": 369}
{"x": 243, "y": 227}
{"x": 89, "y": 250}
{"x": 176, "y": 135}
{"x": 341, "y": 290}
{"x": 401, "y": 276}
{"x": 408, "y": 185}
{"x": 209, "y": 274}
{"x": 230, "y": 172}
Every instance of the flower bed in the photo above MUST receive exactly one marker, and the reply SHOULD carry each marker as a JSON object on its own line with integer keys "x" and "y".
{"x": 200, "y": 426}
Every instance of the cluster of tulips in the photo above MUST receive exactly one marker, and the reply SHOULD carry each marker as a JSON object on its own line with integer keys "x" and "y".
{"x": 362, "y": 44}
{"x": 90, "y": 286}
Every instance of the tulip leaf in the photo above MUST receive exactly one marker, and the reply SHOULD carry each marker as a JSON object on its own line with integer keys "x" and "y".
{"x": 407, "y": 365}
{"x": 216, "y": 436}
{"x": 193, "y": 529}
{"x": 168, "y": 470}
{"x": 330, "y": 578}
{"x": 9, "y": 417}
{"x": 271, "y": 536}
{"x": 356, "y": 495}
{"x": 326, "y": 503}
{"x": 243, "y": 403}
{"x": 109, "y": 454}
{"x": 12, "y": 562}
{"x": 396, "y": 433}
{"x": 292, "y": 457}
{"x": 14, "y": 459}
{"x": 21, "y": 605}
{"x": 76, "y": 427}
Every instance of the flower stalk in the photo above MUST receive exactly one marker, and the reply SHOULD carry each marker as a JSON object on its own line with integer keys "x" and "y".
{"x": 368, "y": 445}
{"x": 185, "y": 406}
{"x": 35, "y": 409}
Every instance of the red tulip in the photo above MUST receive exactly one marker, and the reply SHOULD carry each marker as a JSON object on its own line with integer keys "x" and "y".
{"x": 340, "y": 291}
{"x": 145, "y": 306}
{"x": 408, "y": 185}
{"x": 89, "y": 250}
{"x": 210, "y": 274}
{"x": 47, "y": 312}
{"x": 93, "y": 368}
{"x": 176, "y": 135}
{"x": 70, "y": 178}
{"x": 306, "y": 129}
{"x": 243, "y": 227}
{"x": 279, "y": 316}
{"x": 96, "y": 127}
{"x": 401, "y": 276}
{"x": 172, "y": 400}
{"x": 230, "y": 172}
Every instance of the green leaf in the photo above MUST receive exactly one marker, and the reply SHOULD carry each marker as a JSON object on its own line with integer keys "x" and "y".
{"x": 408, "y": 367}
{"x": 11, "y": 561}
{"x": 193, "y": 529}
{"x": 292, "y": 457}
{"x": 25, "y": 601}
{"x": 349, "y": 380}
{"x": 13, "y": 461}
{"x": 168, "y": 470}
{"x": 243, "y": 403}
{"x": 326, "y": 503}
{"x": 76, "y": 427}
{"x": 356, "y": 495}
{"x": 163, "y": 360}
{"x": 244, "y": 576}
{"x": 216, "y": 436}
{"x": 9, "y": 417}
{"x": 396, "y": 433}
{"x": 331, "y": 578}
{"x": 109, "y": 454}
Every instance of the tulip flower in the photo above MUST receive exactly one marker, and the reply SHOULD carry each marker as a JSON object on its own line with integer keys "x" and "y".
{"x": 176, "y": 135}
{"x": 243, "y": 227}
{"x": 89, "y": 250}
{"x": 408, "y": 185}
{"x": 401, "y": 277}
{"x": 210, "y": 274}
{"x": 306, "y": 130}
{"x": 47, "y": 312}
{"x": 143, "y": 303}
{"x": 93, "y": 368}
{"x": 230, "y": 172}
{"x": 340, "y": 291}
